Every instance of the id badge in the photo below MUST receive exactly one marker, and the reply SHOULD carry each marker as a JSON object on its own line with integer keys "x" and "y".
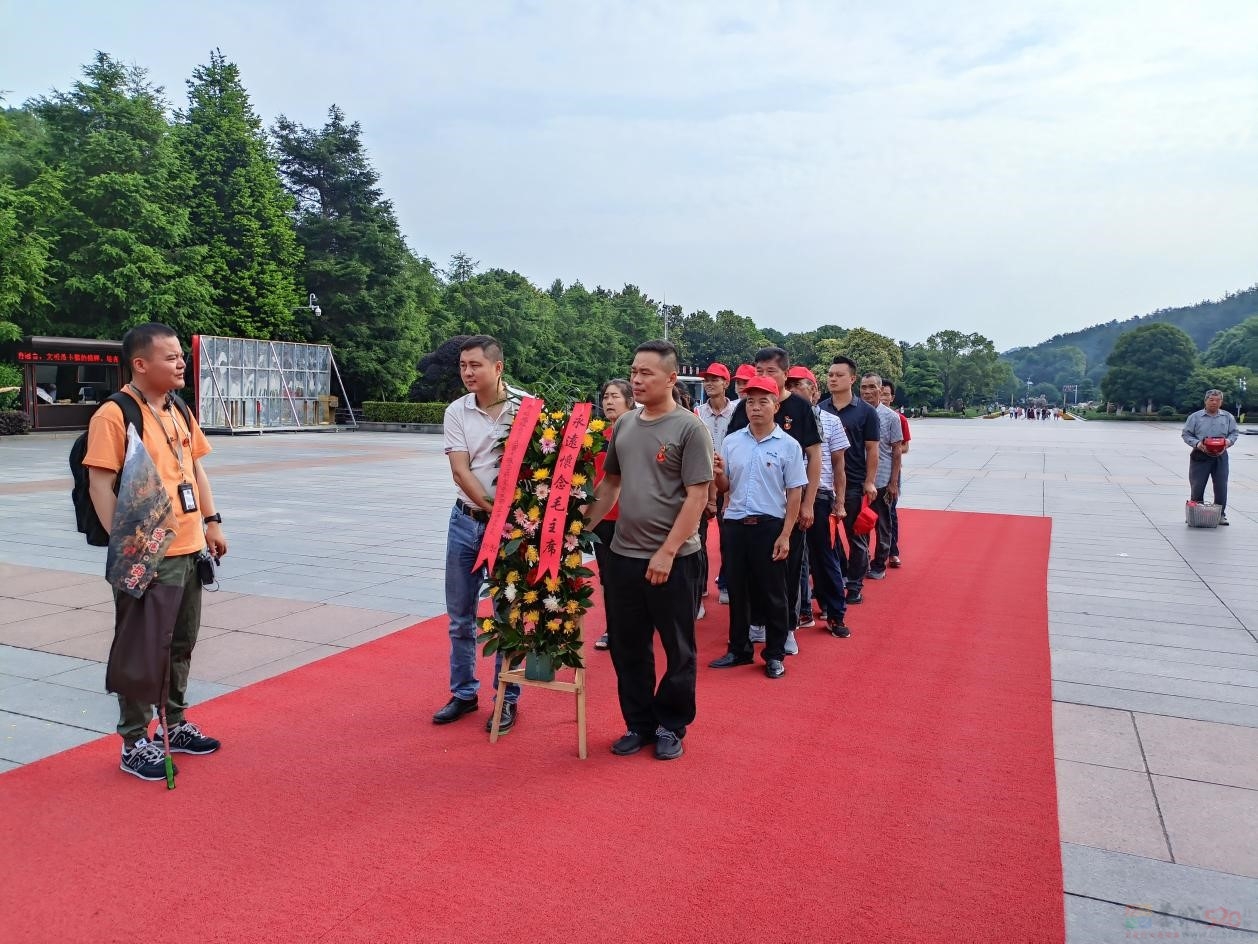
{"x": 187, "y": 499}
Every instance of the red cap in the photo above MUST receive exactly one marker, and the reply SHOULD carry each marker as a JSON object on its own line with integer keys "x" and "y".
{"x": 744, "y": 372}
{"x": 801, "y": 373}
{"x": 761, "y": 385}
{"x": 716, "y": 370}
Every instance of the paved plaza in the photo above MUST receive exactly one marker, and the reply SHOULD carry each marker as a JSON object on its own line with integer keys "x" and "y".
{"x": 338, "y": 538}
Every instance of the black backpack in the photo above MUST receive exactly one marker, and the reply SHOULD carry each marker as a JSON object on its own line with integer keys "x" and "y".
{"x": 84, "y": 511}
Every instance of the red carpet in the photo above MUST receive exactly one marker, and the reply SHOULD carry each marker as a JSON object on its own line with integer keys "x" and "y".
{"x": 893, "y": 787}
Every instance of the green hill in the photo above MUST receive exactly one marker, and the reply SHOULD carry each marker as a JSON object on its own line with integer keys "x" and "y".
{"x": 1201, "y": 322}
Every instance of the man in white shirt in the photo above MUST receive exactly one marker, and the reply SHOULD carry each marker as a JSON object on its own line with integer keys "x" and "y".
{"x": 715, "y": 411}
{"x": 474, "y": 425}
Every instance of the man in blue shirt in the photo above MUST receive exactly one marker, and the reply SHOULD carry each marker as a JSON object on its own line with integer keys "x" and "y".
{"x": 1206, "y": 463}
{"x": 762, "y": 468}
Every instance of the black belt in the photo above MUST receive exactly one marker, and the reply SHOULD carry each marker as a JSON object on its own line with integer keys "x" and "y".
{"x": 471, "y": 511}
{"x": 754, "y": 520}
{"x": 825, "y": 493}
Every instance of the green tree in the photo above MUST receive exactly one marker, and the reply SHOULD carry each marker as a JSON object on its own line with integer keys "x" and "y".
{"x": 875, "y": 353}
{"x": 238, "y": 207}
{"x": 375, "y": 295}
{"x": 1224, "y": 379}
{"x": 965, "y": 365}
{"x": 1149, "y": 366}
{"x": 920, "y": 386}
{"x": 1237, "y": 345}
{"x": 123, "y": 252}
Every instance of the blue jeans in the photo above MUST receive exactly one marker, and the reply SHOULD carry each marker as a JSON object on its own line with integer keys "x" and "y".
{"x": 463, "y": 586}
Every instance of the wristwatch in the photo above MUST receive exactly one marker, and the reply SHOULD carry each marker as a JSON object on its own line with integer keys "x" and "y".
{"x": 216, "y": 517}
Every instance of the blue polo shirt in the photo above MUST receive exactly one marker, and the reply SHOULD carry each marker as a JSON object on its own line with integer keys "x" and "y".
{"x": 760, "y": 472}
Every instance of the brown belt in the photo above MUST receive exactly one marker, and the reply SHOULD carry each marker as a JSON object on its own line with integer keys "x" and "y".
{"x": 471, "y": 511}
{"x": 754, "y": 520}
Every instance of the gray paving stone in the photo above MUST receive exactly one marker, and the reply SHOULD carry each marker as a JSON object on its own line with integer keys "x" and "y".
{"x": 1214, "y": 640}
{"x": 96, "y": 711}
{"x": 31, "y": 664}
{"x": 7, "y": 765}
{"x": 1159, "y": 684}
{"x": 1174, "y": 655}
{"x": 1091, "y": 735}
{"x": 24, "y": 739}
{"x": 1174, "y": 706}
{"x": 1098, "y": 662}
{"x": 1209, "y": 825}
{"x": 1109, "y": 808}
{"x": 1200, "y": 750}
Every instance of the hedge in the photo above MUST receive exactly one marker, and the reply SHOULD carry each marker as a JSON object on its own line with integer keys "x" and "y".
{"x": 375, "y": 411}
{"x": 14, "y": 423}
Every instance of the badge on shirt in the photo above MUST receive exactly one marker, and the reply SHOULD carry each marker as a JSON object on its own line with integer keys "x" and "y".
{"x": 187, "y": 499}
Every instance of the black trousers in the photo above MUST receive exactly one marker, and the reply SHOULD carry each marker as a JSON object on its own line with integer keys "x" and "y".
{"x": 1201, "y": 470}
{"x": 751, "y": 570}
{"x": 823, "y": 561}
{"x": 854, "y": 560}
{"x": 636, "y": 610}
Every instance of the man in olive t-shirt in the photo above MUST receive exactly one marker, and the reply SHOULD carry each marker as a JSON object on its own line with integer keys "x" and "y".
{"x": 658, "y": 467}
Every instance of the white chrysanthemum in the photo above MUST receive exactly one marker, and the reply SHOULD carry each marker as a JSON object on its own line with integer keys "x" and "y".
{"x": 551, "y": 603}
{"x": 510, "y": 592}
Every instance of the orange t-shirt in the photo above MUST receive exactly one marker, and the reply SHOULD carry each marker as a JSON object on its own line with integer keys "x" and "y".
{"x": 107, "y": 447}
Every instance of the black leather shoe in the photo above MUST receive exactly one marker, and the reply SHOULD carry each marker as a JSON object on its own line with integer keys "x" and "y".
{"x": 631, "y": 742}
{"x": 837, "y": 629}
{"x": 455, "y": 709}
{"x": 729, "y": 660}
{"x": 854, "y": 596}
{"x": 774, "y": 668}
{"x": 509, "y": 712}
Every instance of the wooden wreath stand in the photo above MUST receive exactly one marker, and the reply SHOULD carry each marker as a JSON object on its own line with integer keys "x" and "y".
{"x": 516, "y": 677}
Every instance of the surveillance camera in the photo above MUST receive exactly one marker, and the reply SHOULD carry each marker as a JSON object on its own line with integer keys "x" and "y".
{"x": 318, "y": 312}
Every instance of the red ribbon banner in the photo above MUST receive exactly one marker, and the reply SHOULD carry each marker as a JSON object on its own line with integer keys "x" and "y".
{"x": 508, "y": 474}
{"x": 556, "y": 520}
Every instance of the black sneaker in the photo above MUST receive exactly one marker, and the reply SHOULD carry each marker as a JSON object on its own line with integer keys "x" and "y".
{"x": 667, "y": 744}
{"x": 630, "y": 743}
{"x": 807, "y": 620}
{"x": 854, "y": 597}
{"x": 187, "y": 738}
{"x": 455, "y": 709}
{"x": 879, "y": 574}
{"x": 145, "y": 760}
{"x": 507, "y": 722}
{"x": 837, "y": 629}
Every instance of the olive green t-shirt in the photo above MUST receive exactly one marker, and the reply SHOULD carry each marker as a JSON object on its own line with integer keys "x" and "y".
{"x": 656, "y": 459}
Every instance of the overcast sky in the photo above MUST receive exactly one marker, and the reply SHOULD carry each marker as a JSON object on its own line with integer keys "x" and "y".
{"x": 1013, "y": 169}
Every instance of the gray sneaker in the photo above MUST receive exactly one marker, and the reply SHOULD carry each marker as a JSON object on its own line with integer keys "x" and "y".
{"x": 755, "y": 633}
{"x": 723, "y": 597}
{"x": 145, "y": 760}
{"x": 667, "y": 744}
{"x": 792, "y": 647}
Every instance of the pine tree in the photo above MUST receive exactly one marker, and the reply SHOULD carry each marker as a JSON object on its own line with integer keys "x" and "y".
{"x": 373, "y": 292}
{"x": 239, "y": 210}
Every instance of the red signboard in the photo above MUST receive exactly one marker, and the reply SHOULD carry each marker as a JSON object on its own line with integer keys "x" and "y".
{"x": 63, "y": 357}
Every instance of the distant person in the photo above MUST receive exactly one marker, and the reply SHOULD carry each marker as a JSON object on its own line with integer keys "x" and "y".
{"x": 616, "y": 399}
{"x": 153, "y": 356}
{"x": 1211, "y": 433}
{"x": 474, "y": 427}
{"x": 743, "y": 374}
{"x": 888, "y": 400}
{"x": 659, "y": 468}
{"x": 715, "y": 411}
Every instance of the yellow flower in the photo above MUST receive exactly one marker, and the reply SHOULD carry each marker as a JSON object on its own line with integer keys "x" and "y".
{"x": 516, "y": 533}
{"x": 569, "y": 625}
{"x": 579, "y": 479}
{"x": 552, "y": 584}
{"x": 573, "y": 607}
{"x": 540, "y": 474}
{"x": 575, "y": 527}
{"x": 530, "y": 554}
{"x": 597, "y": 426}
{"x": 557, "y": 415}
{"x": 553, "y": 624}
{"x": 548, "y": 434}
{"x": 487, "y": 625}
{"x": 534, "y": 513}
{"x": 513, "y": 577}
{"x": 530, "y": 596}
{"x": 493, "y": 591}
{"x": 587, "y": 442}
{"x": 514, "y": 614}
{"x": 532, "y": 616}
{"x": 572, "y": 560}
{"x": 519, "y": 493}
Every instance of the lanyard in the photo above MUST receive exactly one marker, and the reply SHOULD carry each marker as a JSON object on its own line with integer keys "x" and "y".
{"x": 173, "y": 443}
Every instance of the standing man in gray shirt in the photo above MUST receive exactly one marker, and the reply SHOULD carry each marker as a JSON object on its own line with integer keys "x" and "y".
{"x": 887, "y": 481}
{"x": 1203, "y": 431}
{"x": 659, "y": 466}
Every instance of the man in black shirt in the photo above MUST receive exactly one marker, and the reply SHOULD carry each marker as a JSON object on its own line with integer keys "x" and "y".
{"x": 796, "y": 418}
{"x": 860, "y": 422}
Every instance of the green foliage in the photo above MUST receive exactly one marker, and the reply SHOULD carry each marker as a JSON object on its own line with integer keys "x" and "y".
{"x": 14, "y": 423}
{"x": 1149, "y": 365}
{"x": 1224, "y": 379}
{"x": 10, "y": 376}
{"x": 375, "y": 411}
{"x": 965, "y": 365}
{"x": 238, "y": 208}
{"x": 1237, "y": 345}
{"x": 374, "y": 294}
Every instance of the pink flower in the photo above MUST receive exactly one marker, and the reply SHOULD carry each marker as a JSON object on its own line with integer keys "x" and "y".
{"x": 542, "y": 491}
{"x": 547, "y": 446}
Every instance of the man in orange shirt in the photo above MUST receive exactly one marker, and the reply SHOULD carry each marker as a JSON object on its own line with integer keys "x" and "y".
{"x": 154, "y": 357}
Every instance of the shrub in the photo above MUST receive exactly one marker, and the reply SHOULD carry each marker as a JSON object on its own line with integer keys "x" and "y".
{"x": 375, "y": 411}
{"x": 1166, "y": 410}
{"x": 10, "y": 376}
{"x": 14, "y": 423}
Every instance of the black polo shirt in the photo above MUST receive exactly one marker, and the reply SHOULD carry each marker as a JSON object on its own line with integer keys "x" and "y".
{"x": 794, "y": 415}
{"x": 860, "y": 422}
